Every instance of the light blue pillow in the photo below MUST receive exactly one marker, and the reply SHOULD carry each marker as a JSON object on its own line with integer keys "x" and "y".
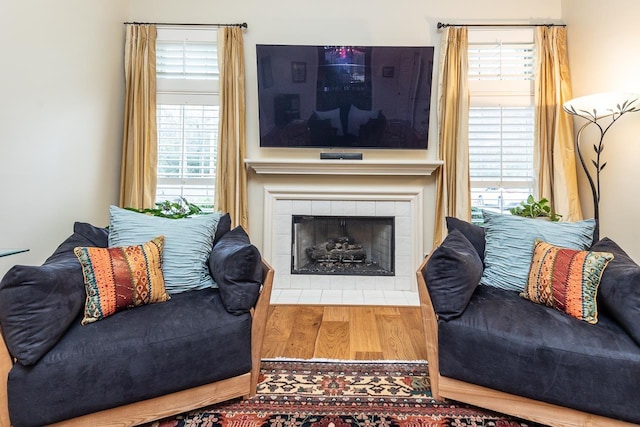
{"x": 510, "y": 240}
{"x": 188, "y": 244}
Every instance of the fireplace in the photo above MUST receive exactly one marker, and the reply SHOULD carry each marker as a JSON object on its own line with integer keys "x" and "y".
{"x": 400, "y": 208}
{"x": 342, "y": 245}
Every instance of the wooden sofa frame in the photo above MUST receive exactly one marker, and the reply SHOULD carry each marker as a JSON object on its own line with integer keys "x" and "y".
{"x": 517, "y": 406}
{"x": 175, "y": 403}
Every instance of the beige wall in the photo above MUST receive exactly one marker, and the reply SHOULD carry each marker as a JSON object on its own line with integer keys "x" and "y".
{"x": 60, "y": 119}
{"x": 402, "y": 22}
{"x": 604, "y": 53}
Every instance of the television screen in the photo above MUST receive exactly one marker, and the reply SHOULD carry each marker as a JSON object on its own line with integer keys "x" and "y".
{"x": 344, "y": 96}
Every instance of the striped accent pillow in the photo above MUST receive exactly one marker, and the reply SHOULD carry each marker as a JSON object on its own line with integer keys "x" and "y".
{"x": 566, "y": 279}
{"x": 119, "y": 278}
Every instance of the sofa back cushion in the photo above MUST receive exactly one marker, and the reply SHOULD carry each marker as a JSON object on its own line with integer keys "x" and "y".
{"x": 39, "y": 303}
{"x": 224, "y": 226}
{"x": 619, "y": 291}
{"x": 98, "y": 236}
{"x": 474, "y": 233}
{"x": 236, "y": 266}
{"x": 452, "y": 275}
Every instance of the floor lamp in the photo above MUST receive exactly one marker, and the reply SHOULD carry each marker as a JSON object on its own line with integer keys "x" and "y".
{"x": 594, "y": 108}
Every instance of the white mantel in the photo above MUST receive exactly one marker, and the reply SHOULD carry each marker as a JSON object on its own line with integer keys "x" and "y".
{"x": 343, "y": 167}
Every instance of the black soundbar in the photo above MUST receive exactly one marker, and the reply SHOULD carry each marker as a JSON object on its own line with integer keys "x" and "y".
{"x": 340, "y": 156}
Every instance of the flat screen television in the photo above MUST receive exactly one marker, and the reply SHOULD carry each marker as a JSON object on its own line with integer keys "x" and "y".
{"x": 344, "y": 96}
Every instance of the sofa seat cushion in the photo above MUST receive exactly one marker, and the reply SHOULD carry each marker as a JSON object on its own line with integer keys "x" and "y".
{"x": 133, "y": 355}
{"x": 505, "y": 342}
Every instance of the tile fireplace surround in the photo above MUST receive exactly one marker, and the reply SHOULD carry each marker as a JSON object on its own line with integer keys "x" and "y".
{"x": 403, "y": 203}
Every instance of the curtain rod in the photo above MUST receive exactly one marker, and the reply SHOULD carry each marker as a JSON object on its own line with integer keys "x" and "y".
{"x": 242, "y": 25}
{"x": 443, "y": 25}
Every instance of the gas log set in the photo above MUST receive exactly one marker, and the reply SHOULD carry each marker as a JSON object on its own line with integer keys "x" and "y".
{"x": 341, "y": 255}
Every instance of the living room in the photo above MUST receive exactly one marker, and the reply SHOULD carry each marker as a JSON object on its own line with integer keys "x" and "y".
{"x": 66, "y": 167}
{"x": 67, "y": 75}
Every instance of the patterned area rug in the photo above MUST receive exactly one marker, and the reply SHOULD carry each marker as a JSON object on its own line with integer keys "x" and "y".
{"x": 341, "y": 394}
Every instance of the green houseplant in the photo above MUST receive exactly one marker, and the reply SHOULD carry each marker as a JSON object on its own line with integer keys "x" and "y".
{"x": 532, "y": 208}
{"x": 174, "y": 210}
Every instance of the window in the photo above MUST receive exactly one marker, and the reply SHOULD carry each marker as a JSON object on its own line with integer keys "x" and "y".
{"x": 501, "y": 118}
{"x": 187, "y": 114}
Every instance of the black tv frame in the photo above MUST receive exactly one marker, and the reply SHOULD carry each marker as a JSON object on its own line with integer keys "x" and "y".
{"x": 357, "y": 97}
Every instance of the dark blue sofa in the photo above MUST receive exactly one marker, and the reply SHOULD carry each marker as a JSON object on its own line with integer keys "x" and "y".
{"x": 199, "y": 348}
{"x": 492, "y": 348}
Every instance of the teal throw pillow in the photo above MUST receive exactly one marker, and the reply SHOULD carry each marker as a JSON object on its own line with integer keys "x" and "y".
{"x": 188, "y": 243}
{"x": 510, "y": 240}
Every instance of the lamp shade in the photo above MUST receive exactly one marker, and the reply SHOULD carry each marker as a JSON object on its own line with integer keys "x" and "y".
{"x": 596, "y": 106}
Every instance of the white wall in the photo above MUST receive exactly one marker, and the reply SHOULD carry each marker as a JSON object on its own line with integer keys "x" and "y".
{"x": 61, "y": 116}
{"x": 604, "y": 56}
{"x": 62, "y": 91}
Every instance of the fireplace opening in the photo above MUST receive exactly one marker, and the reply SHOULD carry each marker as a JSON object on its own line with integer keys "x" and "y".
{"x": 343, "y": 245}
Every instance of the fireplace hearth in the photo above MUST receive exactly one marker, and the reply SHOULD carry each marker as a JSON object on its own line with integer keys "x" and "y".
{"x": 342, "y": 245}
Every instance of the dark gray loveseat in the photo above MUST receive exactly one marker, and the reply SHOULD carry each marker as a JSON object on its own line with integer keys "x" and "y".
{"x": 199, "y": 348}
{"x": 492, "y": 348}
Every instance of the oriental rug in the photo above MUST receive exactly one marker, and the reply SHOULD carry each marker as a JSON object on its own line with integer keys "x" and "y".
{"x": 341, "y": 394}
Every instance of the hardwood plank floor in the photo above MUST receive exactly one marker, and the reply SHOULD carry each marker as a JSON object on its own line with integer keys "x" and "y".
{"x": 344, "y": 332}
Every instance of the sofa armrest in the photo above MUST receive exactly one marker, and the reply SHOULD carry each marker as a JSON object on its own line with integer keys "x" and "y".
{"x": 430, "y": 322}
{"x": 259, "y": 323}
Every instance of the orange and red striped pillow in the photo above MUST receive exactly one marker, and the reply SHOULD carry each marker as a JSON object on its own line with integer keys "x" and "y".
{"x": 566, "y": 279}
{"x": 118, "y": 278}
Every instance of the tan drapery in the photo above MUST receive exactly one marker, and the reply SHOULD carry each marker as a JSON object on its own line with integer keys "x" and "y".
{"x": 138, "y": 173}
{"x": 453, "y": 197}
{"x": 554, "y": 156}
{"x": 231, "y": 185}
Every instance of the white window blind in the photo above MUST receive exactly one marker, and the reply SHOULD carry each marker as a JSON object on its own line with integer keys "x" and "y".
{"x": 501, "y": 117}
{"x": 501, "y": 61}
{"x": 187, "y": 54}
{"x": 501, "y": 67}
{"x": 184, "y": 59}
{"x": 187, "y": 114}
{"x": 501, "y": 146}
{"x": 187, "y": 152}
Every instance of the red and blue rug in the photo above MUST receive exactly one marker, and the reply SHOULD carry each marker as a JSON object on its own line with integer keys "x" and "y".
{"x": 341, "y": 394}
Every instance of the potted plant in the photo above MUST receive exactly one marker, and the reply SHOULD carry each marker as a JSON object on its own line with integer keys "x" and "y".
{"x": 532, "y": 208}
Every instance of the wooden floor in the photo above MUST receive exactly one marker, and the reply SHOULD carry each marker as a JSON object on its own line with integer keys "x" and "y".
{"x": 344, "y": 332}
